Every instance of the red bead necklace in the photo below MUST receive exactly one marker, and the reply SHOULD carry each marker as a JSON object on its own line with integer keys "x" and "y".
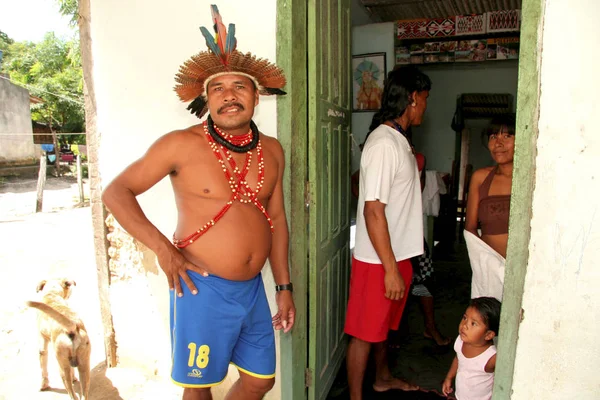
{"x": 237, "y": 140}
{"x": 240, "y": 188}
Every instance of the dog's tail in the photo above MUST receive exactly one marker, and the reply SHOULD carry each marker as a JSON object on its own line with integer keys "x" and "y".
{"x": 54, "y": 314}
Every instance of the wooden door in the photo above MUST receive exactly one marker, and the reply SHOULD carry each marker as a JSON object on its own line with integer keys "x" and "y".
{"x": 329, "y": 118}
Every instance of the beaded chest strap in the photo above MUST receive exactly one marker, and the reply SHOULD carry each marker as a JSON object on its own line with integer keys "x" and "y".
{"x": 240, "y": 188}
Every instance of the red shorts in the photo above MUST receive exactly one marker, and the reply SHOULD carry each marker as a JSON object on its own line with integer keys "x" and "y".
{"x": 370, "y": 314}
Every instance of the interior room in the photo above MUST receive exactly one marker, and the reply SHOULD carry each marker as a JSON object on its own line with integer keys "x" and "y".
{"x": 470, "y": 51}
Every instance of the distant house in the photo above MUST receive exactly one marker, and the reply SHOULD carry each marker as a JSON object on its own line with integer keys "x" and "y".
{"x": 39, "y": 128}
{"x": 16, "y": 140}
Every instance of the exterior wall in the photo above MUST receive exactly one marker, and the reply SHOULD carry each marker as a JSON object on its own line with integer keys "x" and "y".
{"x": 15, "y": 119}
{"x": 557, "y": 348}
{"x": 137, "y": 49}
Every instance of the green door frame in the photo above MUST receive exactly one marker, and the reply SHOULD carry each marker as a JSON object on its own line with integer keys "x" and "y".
{"x": 292, "y": 132}
{"x": 528, "y": 96}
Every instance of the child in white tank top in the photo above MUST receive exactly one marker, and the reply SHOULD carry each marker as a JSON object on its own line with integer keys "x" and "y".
{"x": 475, "y": 361}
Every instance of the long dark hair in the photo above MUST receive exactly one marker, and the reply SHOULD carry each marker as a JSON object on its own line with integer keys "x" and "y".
{"x": 399, "y": 86}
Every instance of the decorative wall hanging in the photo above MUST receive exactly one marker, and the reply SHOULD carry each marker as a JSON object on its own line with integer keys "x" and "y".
{"x": 503, "y": 21}
{"x": 441, "y": 27}
{"x": 470, "y": 24}
{"x": 412, "y": 29}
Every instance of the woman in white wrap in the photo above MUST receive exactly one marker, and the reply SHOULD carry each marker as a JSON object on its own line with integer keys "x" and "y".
{"x": 488, "y": 209}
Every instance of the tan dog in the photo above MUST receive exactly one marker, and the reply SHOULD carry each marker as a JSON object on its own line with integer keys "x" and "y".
{"x": 60, "y": 325}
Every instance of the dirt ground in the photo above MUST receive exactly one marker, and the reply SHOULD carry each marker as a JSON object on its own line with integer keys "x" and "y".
{"x": 58, "y": 242}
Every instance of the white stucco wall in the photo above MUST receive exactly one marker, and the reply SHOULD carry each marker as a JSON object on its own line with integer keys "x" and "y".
{"x": 137, "y": 48}
{"x": 16, "y": 141}
{"x": 558, "y": 351}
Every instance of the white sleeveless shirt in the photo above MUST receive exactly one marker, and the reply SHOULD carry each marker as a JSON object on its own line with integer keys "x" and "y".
{"x": 472, "y": 382}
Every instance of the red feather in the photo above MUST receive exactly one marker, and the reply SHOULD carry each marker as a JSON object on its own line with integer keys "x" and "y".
{"x": 221, "y": 31}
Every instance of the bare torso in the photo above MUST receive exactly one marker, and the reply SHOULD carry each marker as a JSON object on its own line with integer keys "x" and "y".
{"x": 497, "y": 242}
{"x": 237, "y": 246}
{"x": 501, "y": 185}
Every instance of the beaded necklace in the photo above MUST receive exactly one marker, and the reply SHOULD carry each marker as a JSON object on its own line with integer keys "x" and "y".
{"x": 240, "y": 188}
{"x": 238, "y": 144}
{"x": 403, "y": 133}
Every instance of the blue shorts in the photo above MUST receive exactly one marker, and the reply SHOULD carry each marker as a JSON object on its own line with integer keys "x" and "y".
{"x": 226, "y": 322}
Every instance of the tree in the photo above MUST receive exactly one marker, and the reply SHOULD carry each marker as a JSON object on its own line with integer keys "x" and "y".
{"x": 5, "y": 43}
{"x": 52, "y": 71}
{"x": 70, "y": 8}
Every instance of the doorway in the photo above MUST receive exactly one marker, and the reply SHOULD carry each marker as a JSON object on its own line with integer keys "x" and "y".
{"x": 314, "y": 129}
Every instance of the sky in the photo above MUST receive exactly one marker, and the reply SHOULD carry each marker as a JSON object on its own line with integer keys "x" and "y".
{"x": 30, "y": 20}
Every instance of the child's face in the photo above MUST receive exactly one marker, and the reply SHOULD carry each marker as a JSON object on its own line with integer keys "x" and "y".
{"x": 472, "y": 329}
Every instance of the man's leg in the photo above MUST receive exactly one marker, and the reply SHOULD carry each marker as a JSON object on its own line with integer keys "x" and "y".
{"x": 357, "y": 356}
{"x": 250, "y": 388}
{"x": 197, "y": 394}
{"x": 431, "y": 330}
{"x": 383, "y": 377}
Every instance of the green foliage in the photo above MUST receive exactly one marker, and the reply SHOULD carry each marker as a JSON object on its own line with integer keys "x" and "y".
{"x": 4, "y": 38}
{"x": 84, "y": 170}
{"x": 70, "y": 8}
{"x": 51, "y": 70}
{"x": 5, "y": 43}
{"x": 76, "y": 139}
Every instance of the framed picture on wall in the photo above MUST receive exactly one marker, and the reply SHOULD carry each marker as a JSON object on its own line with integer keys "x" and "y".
{"x": 368, "y": 75}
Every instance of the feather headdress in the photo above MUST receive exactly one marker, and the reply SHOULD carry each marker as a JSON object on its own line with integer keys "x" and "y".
{"x": 222, "y": 58}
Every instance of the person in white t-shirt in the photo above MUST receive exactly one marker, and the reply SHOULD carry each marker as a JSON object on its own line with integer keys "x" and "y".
{"x": 389, "y": 229}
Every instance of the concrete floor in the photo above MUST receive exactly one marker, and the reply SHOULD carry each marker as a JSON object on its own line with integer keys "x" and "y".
{"x": 417, "y": 359}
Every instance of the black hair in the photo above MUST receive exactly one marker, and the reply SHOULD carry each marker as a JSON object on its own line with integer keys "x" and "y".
{"x": 399, "y": 86}
{"x": 489, "y": 309}
{"x": 499, "y": 122}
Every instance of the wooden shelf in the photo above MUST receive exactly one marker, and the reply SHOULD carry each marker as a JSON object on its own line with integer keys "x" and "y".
{"x": 485, "y": 36}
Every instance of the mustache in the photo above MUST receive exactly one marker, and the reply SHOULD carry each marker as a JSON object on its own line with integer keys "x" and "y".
{"x": 237, "y": 105}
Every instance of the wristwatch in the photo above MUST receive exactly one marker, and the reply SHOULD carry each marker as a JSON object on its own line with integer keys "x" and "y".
{"x": 287, "y": 286}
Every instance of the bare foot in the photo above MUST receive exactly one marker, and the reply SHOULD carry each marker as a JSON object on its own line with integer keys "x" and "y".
{"x": 45, "y": 384}
{"x": 437, "y": 337}
{"x": 383, "y": 385}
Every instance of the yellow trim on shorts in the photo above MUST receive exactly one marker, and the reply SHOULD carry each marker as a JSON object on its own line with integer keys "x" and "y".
{"x": 197, "y": 386}
{"x": 252, "y": 373}
{"x": 173, "y": 329}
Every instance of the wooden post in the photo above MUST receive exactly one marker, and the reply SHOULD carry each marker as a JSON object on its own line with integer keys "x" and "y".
{"x": 41, "y": 183}
{"x": 56, "y": 152}
{"x": 99, "y": 212}
{"x": 79, "y": 180}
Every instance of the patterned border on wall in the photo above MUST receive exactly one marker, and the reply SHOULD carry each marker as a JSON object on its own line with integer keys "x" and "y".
{"x": 441, "y": 27}
{"x": 503, "y": 21}
{"x": 470, "y": 24}
{"x": 412, "y": 29}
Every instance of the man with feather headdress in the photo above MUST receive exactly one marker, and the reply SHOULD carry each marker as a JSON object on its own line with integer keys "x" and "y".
{"x": 227, "y": 181}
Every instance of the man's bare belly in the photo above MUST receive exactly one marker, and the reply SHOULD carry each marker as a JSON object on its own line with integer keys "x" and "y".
{"x": 235, "y": 248}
